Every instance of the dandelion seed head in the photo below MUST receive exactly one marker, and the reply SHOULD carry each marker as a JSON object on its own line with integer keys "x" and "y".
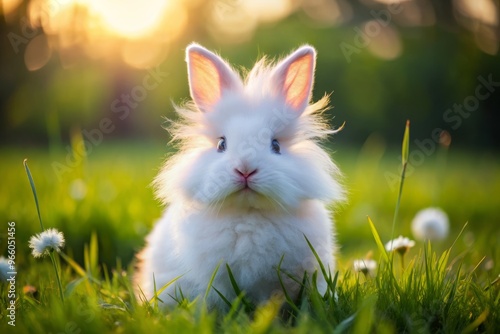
{"x": 400, "y": 245}
{"x": 430, "y": 224}
{"x": 50, "y": 239}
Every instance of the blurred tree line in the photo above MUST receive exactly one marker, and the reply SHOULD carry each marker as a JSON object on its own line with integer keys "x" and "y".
{"x": 433, "y": 62}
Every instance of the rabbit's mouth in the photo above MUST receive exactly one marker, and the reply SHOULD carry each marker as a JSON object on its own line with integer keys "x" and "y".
{"x": 246, "y": 188}
{"x": 248, "y": 198}
{"x": 245, "y": 185}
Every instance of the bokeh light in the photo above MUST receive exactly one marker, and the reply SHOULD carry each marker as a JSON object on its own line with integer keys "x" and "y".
{"x": 134, "y": 31}
{"x": 480, "y": 17}
{"x": 140, "y": 33}
{"x": 74, "y": 58}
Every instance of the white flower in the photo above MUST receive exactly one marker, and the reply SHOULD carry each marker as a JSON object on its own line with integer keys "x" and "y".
{"x": 430, "y": 224}
{"x": 400, "y": 245}
{"x": 50, "y": 239}
{"x": 365, "y": 266}
{"x": 5, "y": 268}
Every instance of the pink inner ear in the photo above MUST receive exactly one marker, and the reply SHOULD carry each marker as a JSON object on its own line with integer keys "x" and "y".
{"x": 298, "y": 81}
{"x": 205, "y": 80}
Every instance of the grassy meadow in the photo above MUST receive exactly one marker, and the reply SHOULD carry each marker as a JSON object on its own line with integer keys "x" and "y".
{"x": 105, "y": 206}
{"x": 112, "y": 69}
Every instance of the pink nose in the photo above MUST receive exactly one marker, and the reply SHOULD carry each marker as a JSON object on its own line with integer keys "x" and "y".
{"x": 246, "y": 175}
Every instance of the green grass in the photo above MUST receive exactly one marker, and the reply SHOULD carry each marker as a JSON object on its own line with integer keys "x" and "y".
{"x": 105, "y": 207}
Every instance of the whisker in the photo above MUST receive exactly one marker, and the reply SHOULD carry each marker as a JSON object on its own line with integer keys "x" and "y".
{"x": 280, "y": 204}
{"x": 220, "y": 206}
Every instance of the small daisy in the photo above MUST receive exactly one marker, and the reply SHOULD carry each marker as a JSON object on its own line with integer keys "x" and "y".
{"x": 5, "y": 268}
{"x": 366, "y": 266}
{"x": 430, "y": 224}
{"x": 400, "y": 245}
{"x": 48, "y": 240}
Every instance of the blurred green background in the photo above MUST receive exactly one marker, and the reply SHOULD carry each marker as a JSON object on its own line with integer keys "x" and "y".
{"x": 111, "y": 70}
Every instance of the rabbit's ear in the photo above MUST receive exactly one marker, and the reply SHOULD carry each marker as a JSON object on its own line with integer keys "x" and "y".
{"x": 209, "y": 77}
{"x": 294, "y": 77}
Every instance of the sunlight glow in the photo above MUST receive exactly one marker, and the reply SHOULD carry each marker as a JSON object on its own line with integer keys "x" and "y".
{"x": 131, "y": 19}
{"x": 484, "y": 11}
{"x": 386, "y": 44}
{"x": 482, "y": 18}
{"x": 8, "y": 6}
{"x": 141, "y": 33}
{"x": 137, "y": 31}
{"x": 37, "y": 53}
{"x": 415, "y": 14}
{"x": 235, "y": 20}
{"x": 328, "y": 12}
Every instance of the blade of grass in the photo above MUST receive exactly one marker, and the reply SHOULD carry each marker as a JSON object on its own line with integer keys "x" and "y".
{"x": 429, "y": 277}
{"x": 51, "y": 254}
{"x": 76, "y": 267}
{"x": 382, "y": 250}
{"x": 211, "y": 281}
{"x": 285, "y": 292}
{"x": 56, "y": 270}
{"x": 144, "y": 299}
{"x": 378, "y": 241}
{"x": 346, "y": 324}
{"x": 405, "y": 151}
{"x": 451, "y": 295}
{"x": 237, "y": 290}
{"x": 366, "y": 316}
{"x": 33, "y": 190}
{"x": 158, "y": 292}
{"x": 326, "y": 275}
{"x": 495, "y": 281}
{"x": 94, "y": 254}
{"x": 475, "y": 324}
{"x": 300, "y": 295}
{"x": 70, "y": 287}
{"x": 224, "y": 299}
{"x": 235, "y": 286}
{"x": 459, "y": 235}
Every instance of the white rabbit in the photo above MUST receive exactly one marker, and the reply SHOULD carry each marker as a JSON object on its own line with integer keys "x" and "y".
{"x": 248, "y": 184}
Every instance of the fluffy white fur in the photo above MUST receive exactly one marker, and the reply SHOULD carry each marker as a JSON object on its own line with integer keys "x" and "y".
{"x": 217, "y": 216}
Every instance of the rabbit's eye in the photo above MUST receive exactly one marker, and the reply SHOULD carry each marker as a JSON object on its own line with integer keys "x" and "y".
{"x": 221, "y": 145}
{"x": 275, "y": 146}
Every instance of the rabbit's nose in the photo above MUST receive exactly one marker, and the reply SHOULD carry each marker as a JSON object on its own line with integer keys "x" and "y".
{"x": 245, "y": 174}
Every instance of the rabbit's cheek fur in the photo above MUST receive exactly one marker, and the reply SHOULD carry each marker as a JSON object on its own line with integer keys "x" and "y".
{"x": 214, "y": 185}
